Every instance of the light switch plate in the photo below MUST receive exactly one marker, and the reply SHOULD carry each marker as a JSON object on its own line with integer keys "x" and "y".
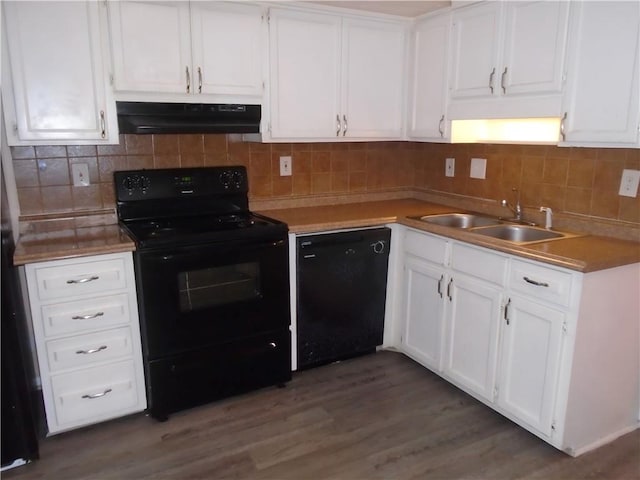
{"x": 285, "y": 166}
{"x": 629, "y": 183}
{"x": 80, "y": 174}
{"x": 449, "y": 167}
{"x": 478, "y": 168}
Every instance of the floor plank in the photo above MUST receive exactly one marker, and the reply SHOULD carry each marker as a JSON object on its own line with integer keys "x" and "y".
{"x": 380, "y": 416}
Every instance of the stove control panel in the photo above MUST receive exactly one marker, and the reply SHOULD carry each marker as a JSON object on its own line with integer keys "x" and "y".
{"x": 180, "y": 182}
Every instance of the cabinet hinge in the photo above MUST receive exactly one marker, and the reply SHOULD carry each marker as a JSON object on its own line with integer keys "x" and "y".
{"x": 495, "y": 392}
{"x": 15, "y": 128}
{"x": 564, "y": 327}
{"x": 553, "y": 427}
{"x": 111, "y": 79}
{"x": 269, "y": 128}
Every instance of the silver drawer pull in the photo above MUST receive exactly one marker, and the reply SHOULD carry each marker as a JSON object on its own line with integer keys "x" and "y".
{"x": 272, "y": 344}
{"x": 87, "y": 317}
{"x": 536, "y": 283}
{"x": 93, "y": 350}
{"x": 97, "y": 395}
{"x": 84, "y": 280}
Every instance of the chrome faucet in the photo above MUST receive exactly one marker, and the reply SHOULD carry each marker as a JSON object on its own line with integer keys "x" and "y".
{"x": 517, "y": 210}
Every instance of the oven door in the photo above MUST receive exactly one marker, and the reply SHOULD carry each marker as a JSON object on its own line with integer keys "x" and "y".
{"x": 195, "y": 296}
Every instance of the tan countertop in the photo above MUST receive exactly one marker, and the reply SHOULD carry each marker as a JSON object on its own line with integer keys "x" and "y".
{"x": 586, "y": 253}
{"x": 67, "y": 242}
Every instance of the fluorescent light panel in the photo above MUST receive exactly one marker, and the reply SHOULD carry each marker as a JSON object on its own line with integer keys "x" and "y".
{"x": 506, "y": 130}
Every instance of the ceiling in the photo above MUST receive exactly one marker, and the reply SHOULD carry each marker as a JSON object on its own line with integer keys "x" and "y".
{"x": 394, "y": 7}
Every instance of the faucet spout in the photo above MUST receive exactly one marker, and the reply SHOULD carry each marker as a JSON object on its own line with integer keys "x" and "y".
{"x": 517, "y": 210}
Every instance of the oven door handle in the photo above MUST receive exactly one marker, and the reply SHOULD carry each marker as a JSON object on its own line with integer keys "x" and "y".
{"x": 168, "y": 256}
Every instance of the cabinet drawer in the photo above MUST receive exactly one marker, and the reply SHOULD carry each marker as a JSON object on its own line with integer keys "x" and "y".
{"x": 479, "y": 263}
{"x": 85, "y": 315}
{"x": 80, "y": 278}
{"x": 541, "y": 282}
{"x": 95, "y": 393}
{"x": 85, "y": 350}
{"x": 427, "y": 247}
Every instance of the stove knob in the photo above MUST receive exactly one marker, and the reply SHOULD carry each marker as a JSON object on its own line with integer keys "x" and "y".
{"x": 145, "y": 183}
{"x": 238, "y": 179}
{"x": 225, "y": 178}
{"x": 130, "y": 183}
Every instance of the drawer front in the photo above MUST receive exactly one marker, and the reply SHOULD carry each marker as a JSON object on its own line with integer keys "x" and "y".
{"x": 541, "y": 282}
{"x": 85, "y": 315}
{"x": 94, "y": 394}
{"x": 80, "y": 278}
{"x": 85, "y": 350}
{"x": 427, "y": 247}
{"x": 479, "y": 263}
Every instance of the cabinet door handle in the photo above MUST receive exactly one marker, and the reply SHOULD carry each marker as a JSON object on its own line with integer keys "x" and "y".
{"x": 103, "y": 125}
{"x": 87, "y": 317}
{"x": 344, "y": 118}
{"x": 272, "y": 345}
{"x": 338, "y": 125}
{"x": 440, "y": 285}
{"x": 535, "y": 282}
{"x": 188, "y": 79}
{"x": 199, "y": 80}
{"x": 84, "y": 280}
{"x": 506, "y": 311}
{"x": 449, "y": 290}
{"x": 491, "y": 75}
{"x": 504, "y": 88}
{"x": 92, "y": 350}
{"x": 97, "y": 395}
{"x": 440, "y": 129}
{"x": 562, "y": 134}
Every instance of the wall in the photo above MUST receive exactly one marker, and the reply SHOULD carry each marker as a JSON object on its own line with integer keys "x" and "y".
{"x": 580, "y": 181}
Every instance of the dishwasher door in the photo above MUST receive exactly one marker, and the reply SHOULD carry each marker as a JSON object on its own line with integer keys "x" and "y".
{"x": 342, "y": 284}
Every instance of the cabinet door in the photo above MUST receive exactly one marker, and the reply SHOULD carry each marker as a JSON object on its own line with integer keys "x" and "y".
{"x": 429, "y": 79}
{"x": 530, "y": 360}
{"x": 373, "y": 61}
{"x": 534, "y": 47}
{"x": 475, "y": 45}
{"x": 602, "y": 103}
{"x": 151, "y": 46}
{"x": 472, "y": 337}
{"x": 305, "y": 77}
{"x": 227, "y": 47}
{"x": 423, "y": 311}
{"x": 55, "y": 62}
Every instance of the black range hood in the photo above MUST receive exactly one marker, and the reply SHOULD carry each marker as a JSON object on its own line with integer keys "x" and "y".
{"x": 149, "y": 117}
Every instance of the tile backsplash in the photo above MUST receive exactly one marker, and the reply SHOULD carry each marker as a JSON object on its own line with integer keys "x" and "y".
{"x": 581, "y": 181}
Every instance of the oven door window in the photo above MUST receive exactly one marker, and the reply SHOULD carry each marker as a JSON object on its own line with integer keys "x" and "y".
{"x": 214, "y": 286}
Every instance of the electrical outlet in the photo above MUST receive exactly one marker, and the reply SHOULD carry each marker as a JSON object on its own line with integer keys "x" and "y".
{"x": 80, "y": 174}
{"x": 478, "y": 168}
{"x": 629, "y": 183}
{"x": 285, "y": 166}
{"x": 449, "y": 167}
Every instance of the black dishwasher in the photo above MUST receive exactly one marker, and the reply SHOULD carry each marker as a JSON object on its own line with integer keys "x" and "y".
{"x": 342, "y": 284}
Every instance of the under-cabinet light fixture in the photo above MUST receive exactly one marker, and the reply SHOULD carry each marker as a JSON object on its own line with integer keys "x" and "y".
{"x": 506, "y": 130}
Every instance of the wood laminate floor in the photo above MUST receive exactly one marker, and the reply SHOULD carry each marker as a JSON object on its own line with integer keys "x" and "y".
{"x": 380, "y": 416}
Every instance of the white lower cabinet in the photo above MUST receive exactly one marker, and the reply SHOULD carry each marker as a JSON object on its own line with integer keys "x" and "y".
{"x": 530, "y": 349}
{"x": 472, "y": 334}
{"x": 85, "y": 323}
{"x": 554, "y": 350}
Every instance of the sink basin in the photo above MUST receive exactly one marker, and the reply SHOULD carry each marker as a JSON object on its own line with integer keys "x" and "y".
{"x": 460, "y": 220}
{"x": 518, "y": 233}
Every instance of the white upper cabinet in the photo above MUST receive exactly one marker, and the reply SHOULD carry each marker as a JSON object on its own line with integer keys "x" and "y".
{"x": 373, "y": 64}
{"x": 189, "y": 50}
{"x": 155, "y": 55}
{"x": 508, "y": 59}
{"x": 334, "y": 78}
{"x": 430, "y": 63}
{"x": 305, "y": 75}
{"x": 601, "y": 104}
{"x": 54, "y": 81}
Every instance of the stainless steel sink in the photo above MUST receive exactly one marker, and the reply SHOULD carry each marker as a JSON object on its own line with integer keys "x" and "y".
{"x": 518, "y": 233}
{"x": 460, "y": 220}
